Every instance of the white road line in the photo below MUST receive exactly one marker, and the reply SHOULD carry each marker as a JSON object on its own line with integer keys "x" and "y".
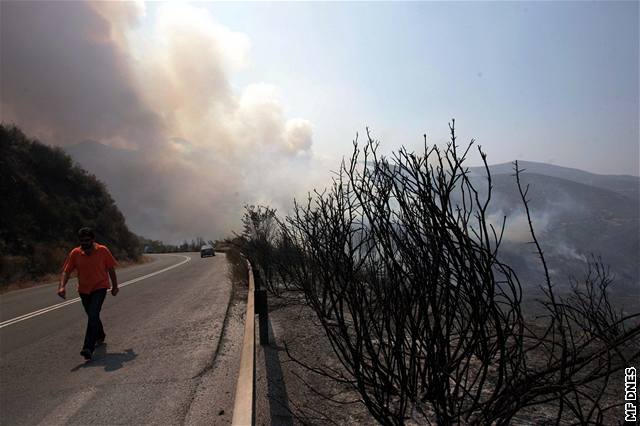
{"x": 71, "y": 405}
{"x": 21, "y": 318}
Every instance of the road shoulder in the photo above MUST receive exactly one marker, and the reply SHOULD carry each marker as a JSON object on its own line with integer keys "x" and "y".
{"x": 212, "y": 403}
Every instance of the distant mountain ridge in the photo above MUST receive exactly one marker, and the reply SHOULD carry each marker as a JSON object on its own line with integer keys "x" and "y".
{"x": 623, "y": 184}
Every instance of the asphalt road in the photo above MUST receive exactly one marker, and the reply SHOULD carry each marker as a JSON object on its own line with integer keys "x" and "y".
{"x": 163, "y": 334}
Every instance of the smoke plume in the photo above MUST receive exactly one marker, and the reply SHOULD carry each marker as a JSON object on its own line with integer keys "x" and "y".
{"x": 189, "y": 149}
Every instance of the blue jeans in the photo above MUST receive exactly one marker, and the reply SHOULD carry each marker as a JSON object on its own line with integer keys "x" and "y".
{"x": 92, "y": 304}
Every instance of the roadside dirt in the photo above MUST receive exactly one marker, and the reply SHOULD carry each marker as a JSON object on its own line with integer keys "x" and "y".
{"x": 289, "y": 394}
{"x": 213, "y": 400}
{"x": 50, "y": 278}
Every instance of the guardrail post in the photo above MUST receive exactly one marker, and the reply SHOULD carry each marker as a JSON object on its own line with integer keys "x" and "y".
{"x": 262, "y": 308}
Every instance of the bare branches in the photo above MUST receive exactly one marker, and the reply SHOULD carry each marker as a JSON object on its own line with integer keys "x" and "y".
{"x": 401, "y": 270}
{"x": 400, "y": 264}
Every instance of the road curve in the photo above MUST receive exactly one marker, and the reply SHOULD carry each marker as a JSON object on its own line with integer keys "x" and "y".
{"x": 162, "y": 332}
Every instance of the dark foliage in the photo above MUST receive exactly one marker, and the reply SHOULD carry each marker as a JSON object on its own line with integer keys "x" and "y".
{"x": 269, "y": 248}
{"x": 239, "y": 273}
{"x": 45, "y": 200}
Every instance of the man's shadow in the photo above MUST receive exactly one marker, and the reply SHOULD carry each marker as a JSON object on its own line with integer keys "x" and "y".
{"x": 111, "y": 361}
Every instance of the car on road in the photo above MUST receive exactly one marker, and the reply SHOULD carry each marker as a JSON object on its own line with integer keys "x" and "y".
{"x": 206, "y": 251}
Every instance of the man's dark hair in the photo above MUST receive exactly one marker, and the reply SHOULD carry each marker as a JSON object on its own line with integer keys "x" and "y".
{"x": 86, "y": 232}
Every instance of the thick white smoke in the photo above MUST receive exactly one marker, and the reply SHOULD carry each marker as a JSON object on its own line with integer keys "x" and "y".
{"x": 160, "y": 86}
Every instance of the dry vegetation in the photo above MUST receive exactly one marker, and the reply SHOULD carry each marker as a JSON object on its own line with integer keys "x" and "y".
{"x": 402, "y": 269}
{"x": 54, "y": 277}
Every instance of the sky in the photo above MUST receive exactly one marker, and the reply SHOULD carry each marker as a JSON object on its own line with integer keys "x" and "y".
{"x": 263, "y": 99}
{"x": 554, "y": 82}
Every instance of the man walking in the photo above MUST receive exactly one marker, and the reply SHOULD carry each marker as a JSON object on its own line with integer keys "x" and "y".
{"x": 95, "y": 265}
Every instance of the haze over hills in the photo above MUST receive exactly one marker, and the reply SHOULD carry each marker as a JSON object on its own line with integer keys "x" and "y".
{"x": 179, "y": 193}
{"x": 112, "y": 164}
{"x": 623, "y": 184}
{"x": 146, "y": 192}
{"x": 572, "y": 221}
{"x": 576, "y": 213}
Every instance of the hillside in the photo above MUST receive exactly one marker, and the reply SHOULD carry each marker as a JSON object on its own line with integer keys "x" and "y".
{"x": 576, "y": 214}
{"x": 573, "y": 220}
{"x": 45, "y": 199}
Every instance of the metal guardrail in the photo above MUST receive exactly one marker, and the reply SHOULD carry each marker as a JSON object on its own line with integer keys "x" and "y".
{"x": 244, "y": 404}
{"x": 243, "y": 407}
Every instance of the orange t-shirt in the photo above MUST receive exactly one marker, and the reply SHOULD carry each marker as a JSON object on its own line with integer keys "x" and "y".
{"x": 92, "y": 269}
